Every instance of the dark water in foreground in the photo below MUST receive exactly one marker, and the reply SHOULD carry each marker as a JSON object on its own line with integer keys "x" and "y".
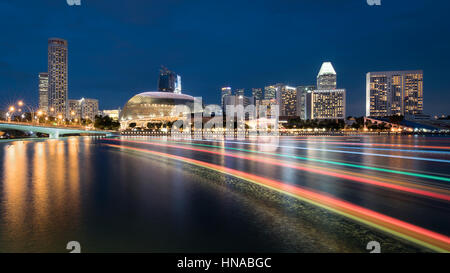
{"x": 110, "y": 200}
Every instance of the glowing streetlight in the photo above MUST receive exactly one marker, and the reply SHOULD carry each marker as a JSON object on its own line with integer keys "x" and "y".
{"x": 20, "y": 103}
{"x": 11, "y": 109}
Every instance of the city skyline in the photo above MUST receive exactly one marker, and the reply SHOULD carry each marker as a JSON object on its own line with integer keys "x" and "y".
{"x": 203, "y": 75}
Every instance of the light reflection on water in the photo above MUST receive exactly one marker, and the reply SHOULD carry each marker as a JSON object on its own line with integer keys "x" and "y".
{"x": 55, "y": 191}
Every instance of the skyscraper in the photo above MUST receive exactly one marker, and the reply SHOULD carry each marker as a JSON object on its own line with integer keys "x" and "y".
{"x": 169, "y": 81}
{"x": 43, "y": 92}
{"x": 391, "y": 93}
{"x": 239, "y": 92}
{"x": 57, "y": 76}
{"x": 302, "y": 92}
{"x": 326, "y": 79}
{"x": 270, "y": 92}
{"x": 328, "y": 104}
{"x": 225, "y": 92}
{"x": 257, "y": 93}
{"x": 287, "y": 100}
{"x": 178, "y": 85}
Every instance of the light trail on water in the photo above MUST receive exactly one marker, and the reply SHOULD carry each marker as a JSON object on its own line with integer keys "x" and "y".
{"x": 424, "y": 237}
{"x": 427, "y": 176}
{"x": 322, "y": 171}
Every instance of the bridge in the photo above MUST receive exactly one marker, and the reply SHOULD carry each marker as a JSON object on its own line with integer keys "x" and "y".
{"x": 52, "y": 132}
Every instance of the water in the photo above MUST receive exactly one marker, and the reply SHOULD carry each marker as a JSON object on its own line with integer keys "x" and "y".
{"x": 114, "y": 199}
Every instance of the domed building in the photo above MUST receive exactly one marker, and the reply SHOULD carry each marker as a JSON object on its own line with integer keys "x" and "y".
{"x": 153, "y": 107}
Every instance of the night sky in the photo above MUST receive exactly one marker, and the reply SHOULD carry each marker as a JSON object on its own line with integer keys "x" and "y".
{"x": 116, "y": 47}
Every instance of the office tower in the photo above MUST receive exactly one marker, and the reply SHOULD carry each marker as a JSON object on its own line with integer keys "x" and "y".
{"x": 43, "y": 92}
{"x": 238, "y": 100}
{"x": 270, "y": 92}
{"x": 178, "y": 85}
{"x": 225, "y": 91}
{"x": 391, "y": 93}
{"x": 328, "y": 104}
{"x": 239, "y": 92}
{"x": 302, "y": 92}
{"x": 326, "y": 79}
{"x": 57, "y": 77}
{"x": 89, "y": 108}
{"x": 83, "y": 109}
{"x": 287, "y": 100}
{"x": 308, "y": 104}
{"x": 74, "y": 109}
{"x": 168, "y": 81}
{"x": 257, "y": 93}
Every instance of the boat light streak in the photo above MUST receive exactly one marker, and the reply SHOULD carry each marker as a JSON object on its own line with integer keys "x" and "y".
{"x": 424, "y": 237}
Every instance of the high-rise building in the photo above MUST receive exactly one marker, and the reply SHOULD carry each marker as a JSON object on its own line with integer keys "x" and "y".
{"x": 169, "y": 81}
{"x": 326, "y": 79}
{"x": 178, "y": 85}
{"x": 239, "y": 92}
{"x": 391, "y": 93}
{"x": 57, "y": 76}
{"x": 270, "y": 92}
{"x": 43, "y": 92}
{"x": 89, "y": 108}
{"x": 225, "y": 91}
{"x": 74, "y": 109}
{"x": 302, "y": 92}
{"x": 287, "y": 100}
{"x": 328, "y": 104}
{"x": 83, "y": 109}
{"x": 257, "y": 93}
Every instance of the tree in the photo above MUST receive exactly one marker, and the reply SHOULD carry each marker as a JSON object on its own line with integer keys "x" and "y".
{"x": 106, "y": 123}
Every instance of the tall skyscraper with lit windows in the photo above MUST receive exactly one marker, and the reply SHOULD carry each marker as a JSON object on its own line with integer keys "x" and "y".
{"x": 328, "y": 104}
{"x": 391, "y": 93}
{"x": 57, "y": 76}
{"x": 225, "y": 92}
{"x": 327, "y": 78}
{"x": 287, "y": 100}
{"x": 43, "y": 92}
{"x": 257, "y": 93}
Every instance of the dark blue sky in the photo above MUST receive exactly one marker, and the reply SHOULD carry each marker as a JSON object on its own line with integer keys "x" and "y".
{"x": 116, "y": 47}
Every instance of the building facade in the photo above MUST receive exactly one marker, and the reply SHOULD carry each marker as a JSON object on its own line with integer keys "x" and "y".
{"x": 287, "y": 100}
{"x": 239, "y": 92}
{"x": 169, "y": 81}
{"x": 57, "y": 77}
{"x": 225, "y": 92}
{"x": 327, "y": 78}
{"x": 257, "y": 93}
{"x": 113, "y": 114}
{"x": 82, "y": 109}
{"x": 328, "y": 104}
{"x": 43, "y": 92}
{"x": 270, "y": 92}
{"x": 302, "y": 92}
{"x": 390, "y": 93}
